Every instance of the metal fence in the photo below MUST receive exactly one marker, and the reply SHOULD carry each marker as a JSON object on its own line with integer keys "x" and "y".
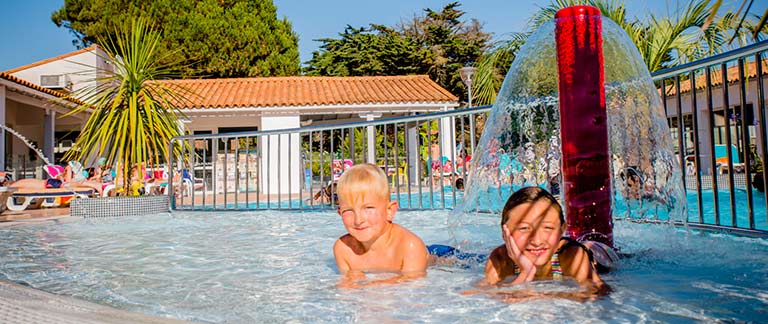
{"x": 295, "y": 169}
{"x": 720, "y": 135}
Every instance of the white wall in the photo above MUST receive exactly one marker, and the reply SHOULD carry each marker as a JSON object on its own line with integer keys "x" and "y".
{"x": 718, "y": 101}
{"x": 80, "y": 69}
{"x": 200, "y": 123}
{"x": 276, "y": 162}
{"x": 448, "y": 136}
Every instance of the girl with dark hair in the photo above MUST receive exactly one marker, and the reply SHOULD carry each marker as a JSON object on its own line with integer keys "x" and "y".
{"x": 534, "y": 248}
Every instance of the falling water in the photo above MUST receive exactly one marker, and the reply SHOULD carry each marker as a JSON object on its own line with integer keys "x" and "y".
{"x": 524, "y": 125}
{"x": 27, "y": 142}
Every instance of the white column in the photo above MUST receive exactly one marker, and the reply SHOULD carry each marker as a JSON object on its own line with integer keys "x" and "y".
{"x": 371, "y": 137}
{"x": 2, "y": 132}
{"x": 447, "y": 136}
{"x": 280, "y": 164}
{"x": 412, "y": 141}
{"x": 49, "y": 139}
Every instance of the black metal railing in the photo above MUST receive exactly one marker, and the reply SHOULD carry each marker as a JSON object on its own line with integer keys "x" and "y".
{"x": 716, "y": 109}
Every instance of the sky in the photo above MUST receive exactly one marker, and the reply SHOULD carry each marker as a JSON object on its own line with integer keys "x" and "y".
{"x": 30, "y": 35}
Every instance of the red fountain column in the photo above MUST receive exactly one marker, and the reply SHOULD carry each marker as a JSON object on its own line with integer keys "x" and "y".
{"x": 583, "y": 124}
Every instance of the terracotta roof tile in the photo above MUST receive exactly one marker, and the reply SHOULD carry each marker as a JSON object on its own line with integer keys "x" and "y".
{"x": 717, "y": 79}
{"x": 9, "y": 77}
{"x": 310, "y": 91}
{"x": 56, "y": 58}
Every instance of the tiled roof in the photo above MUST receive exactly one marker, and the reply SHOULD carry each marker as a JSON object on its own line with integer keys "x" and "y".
{"x": 717, "y": 79}
{"x": 9, "y": 77}
{"x": 52, "y": 59}
{"x": 311, "y": 91}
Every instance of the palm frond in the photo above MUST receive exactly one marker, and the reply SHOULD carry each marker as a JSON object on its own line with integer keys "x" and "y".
{"x": 132, "y": 116}
{"x": 493, "y": 66}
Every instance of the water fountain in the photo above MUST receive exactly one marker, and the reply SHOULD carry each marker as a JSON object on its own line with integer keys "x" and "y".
{"x": 27, "y": 142}
{"x": 640, "y": 167}
{"x": 176, "y": 274}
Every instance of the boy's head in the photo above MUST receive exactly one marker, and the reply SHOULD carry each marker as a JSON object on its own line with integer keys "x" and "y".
{"x": 535, "y": 222}
{"x": 361, "y": 180}
{"x": 364, "y": 203}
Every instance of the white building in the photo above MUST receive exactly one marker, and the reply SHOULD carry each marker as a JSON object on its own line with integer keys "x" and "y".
{"x": 37, "y": 114}
{"x": 724, "y": 123}
{"x": 220, "y": 105}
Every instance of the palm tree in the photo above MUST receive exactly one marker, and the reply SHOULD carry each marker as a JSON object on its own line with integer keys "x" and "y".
{"x": 133, "y": 117}
{"x": 663, "y": 42}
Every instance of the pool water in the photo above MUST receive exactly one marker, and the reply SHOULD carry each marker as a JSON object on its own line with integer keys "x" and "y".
{"x": 446, "y": 199}
{"x": 277, "y": 266}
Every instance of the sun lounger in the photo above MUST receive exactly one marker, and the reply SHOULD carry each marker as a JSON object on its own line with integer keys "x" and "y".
{"x": 5, "y": 192}
{"x": 23, "y": 198}
{"x": 721, "y": 158}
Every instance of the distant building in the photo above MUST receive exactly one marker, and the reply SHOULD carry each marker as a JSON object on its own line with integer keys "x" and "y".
{"x": 218, "y": 106}
{"x": 725, "y": 122}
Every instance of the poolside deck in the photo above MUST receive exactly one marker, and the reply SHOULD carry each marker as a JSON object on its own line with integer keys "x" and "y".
{"x": 15, "y": 218}
{"x": 21, "y": 304}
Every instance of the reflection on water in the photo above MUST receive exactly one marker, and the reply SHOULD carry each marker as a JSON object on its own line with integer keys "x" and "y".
{"x": 275, "y": 266}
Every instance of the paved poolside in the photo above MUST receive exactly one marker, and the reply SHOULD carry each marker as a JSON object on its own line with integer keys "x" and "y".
{"x": 16, "y": 218}
{"x": 21, "y": 304}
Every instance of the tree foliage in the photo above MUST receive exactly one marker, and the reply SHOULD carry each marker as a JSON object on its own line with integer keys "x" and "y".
{"x": 216, "y": 38}
{"x": 437, "y": 43}
{"x": 663, "y": 42}
{"x": 376, "y": 50}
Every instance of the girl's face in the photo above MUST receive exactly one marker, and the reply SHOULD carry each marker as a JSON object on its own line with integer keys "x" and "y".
{"x": 536, "y": 229}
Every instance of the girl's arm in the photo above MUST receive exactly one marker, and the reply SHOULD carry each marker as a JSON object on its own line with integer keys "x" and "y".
{"x": 579, "y": 266}
{"x": 498, "y": 267}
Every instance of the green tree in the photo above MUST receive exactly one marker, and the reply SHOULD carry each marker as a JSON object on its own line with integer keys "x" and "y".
{"x": 437, "y": 44}
{"x": 133, "y": 117}
{"x": 663, "y": 42}
{"x": 376, "y": 50}
{"x": 233, "y": 38}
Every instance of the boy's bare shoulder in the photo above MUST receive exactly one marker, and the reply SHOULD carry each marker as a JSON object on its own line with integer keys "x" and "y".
{"x": 347, "y": 245}
{"x": 407, "y": 238}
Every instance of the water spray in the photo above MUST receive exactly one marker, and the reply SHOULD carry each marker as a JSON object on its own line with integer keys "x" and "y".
{"x": 27, "y": 142}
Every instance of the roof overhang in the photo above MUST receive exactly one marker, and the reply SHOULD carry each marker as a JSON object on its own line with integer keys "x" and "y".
{"x": 32, "y": 97}
{"x": 408, "y": 107}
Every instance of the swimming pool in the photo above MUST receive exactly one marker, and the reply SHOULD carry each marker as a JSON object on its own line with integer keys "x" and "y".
{"x": 446, "y": 200}
{"x": 278, "y": 266}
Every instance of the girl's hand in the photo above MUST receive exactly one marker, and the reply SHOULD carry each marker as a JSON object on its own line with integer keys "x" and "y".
{"x": 527, "y": 268}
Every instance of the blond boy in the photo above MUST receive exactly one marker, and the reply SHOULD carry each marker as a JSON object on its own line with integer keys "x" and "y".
{"x": 373, "y": 242}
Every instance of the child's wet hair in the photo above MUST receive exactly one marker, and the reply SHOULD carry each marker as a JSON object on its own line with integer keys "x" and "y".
{"x": 364, "y": 178}
{"x": 459, "y": 184}
{"x": 530, "y": 195}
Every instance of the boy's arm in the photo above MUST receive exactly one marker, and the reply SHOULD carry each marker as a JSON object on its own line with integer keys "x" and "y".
{"x": 339, "y": 252}
{"x": 415, "y": 257}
